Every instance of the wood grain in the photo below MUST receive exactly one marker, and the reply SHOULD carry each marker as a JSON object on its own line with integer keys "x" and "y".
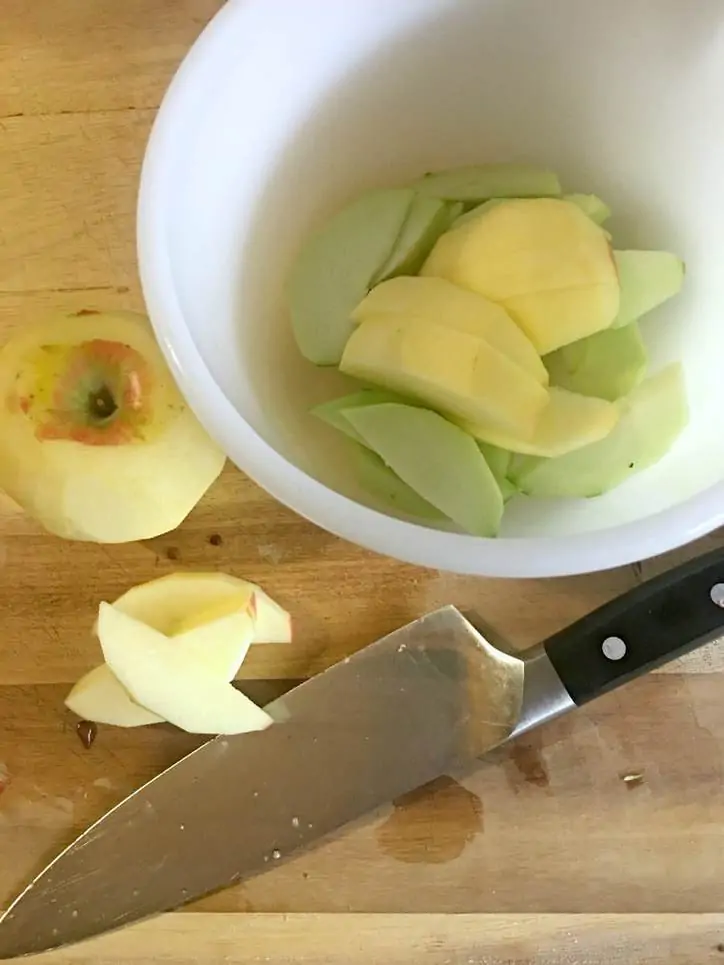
{"x": 435, "y": 939}
{"x": 541, "y": 854}
{"x": 558, "y": 829}
{"x": 79, "y": 57}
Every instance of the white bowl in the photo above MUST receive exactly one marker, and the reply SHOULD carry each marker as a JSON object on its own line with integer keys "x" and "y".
{"x": 284, "y": 110}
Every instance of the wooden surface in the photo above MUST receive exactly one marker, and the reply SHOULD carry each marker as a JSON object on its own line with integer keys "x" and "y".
{"x": 543, "y": 854}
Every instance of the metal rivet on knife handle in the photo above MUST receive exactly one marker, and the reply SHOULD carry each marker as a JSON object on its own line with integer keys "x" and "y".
{"x": 614, "y": 648}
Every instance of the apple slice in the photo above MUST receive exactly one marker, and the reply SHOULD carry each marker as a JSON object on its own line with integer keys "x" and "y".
{"x": 467, "y": 216}
{"x": 177, "y": 686}
{"x": 386, "y": 486}
{"x": 373, "y": 475}
{"x": 547, "y": 263}
{"x": 648, "y": 279}
{"x": 273, "y": 622}
{"x": 609, "y": 364}
{"x": 220, "y": 642}
{"x": 480, "y": 182}
{"x": 457, "y": 373}
{"x": 591, "y": 205}
{"x": 270, "y": 622}
{"x": 499, "y": 461}
{"x": 652, "y": 418}
{"x": 96, "y": 442}
{"x": 332, "y": 412}
{"x": 171, "y": 603}
{"x": 180, "y": 602}
{"x": 221, "y": 645}
{"x": 448, "y": 305}
{"x": 99, "y": 696}
{"x": 426, "y": 220}
{"x": 336, "y": 267}
{"x": 437, "y": 459}
{"x": 569, "y": 422}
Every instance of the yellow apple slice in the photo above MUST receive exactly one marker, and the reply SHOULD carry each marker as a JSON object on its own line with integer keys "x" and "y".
{"x": 180, "y": 602}
{"x": 96, "y": 442}
{"x": 653, "y": 416}
{"x": 441, "y": 302}
{"x": 169, "y": 603}
{"x": 457, "y": 373}
{"x": 569, "y": 422}
{"x": 221, "y": 643}
{"x": 177, "y": 686}
{"x": 273, "y": 622}
{"x": 544, "y": 260}
{"x": 99, "y": 696}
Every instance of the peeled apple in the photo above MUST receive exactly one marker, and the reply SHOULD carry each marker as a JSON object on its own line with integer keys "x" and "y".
{"x": 96, "y": 441}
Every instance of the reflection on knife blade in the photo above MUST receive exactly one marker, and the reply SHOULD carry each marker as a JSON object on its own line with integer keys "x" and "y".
{"x": 426, "y": 699}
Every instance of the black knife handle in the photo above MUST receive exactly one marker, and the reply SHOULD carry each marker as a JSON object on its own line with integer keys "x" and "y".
{"x": 641, "y": 630}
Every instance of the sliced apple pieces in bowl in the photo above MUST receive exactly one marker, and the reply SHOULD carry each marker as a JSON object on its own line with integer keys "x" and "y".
{"x": 492, "y": 328}
{"x": 172, "y": 648}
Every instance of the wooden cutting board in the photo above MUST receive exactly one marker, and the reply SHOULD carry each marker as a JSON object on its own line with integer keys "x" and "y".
{"x": 597, "y": 840}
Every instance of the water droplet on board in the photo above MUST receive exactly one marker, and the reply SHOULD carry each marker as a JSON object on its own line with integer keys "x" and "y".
{"x": 276, "y": 854}
{"x": 295, "y": 822}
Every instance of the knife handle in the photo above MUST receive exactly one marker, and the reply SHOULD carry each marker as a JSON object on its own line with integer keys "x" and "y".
{"x": 645, "y": 628}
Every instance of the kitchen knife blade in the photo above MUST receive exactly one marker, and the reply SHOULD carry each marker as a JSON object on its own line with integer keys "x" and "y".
{"x": 431, "y": 697}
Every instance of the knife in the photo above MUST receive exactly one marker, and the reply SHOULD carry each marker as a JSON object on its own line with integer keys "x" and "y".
{"x": 430, "y": 697}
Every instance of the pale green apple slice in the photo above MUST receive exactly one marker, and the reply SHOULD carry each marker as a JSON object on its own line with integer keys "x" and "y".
{"x": 652, "y": 418}
{"x": 476, "y": 212}
{"x": 426, "y": 220}
{"x": 481, "y": 182}
{"x": 177, "y": 686}
{"x": 386, "y": 486}
{"x": 99, "y": 696}
{"x": 334, "y": 270}
{"x": 591, "y": 205}
{"x": 333, "y": 412}
{"x": 437, "y": 459}
{"x": 499, "y": 461}
{"x": 608, "y": 365}
{"x": 648, "y": 279}
{"x": 371, "y": 472}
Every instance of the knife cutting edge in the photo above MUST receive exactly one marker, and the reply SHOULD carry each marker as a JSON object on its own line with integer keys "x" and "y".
{"x": 430, "y": 697}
